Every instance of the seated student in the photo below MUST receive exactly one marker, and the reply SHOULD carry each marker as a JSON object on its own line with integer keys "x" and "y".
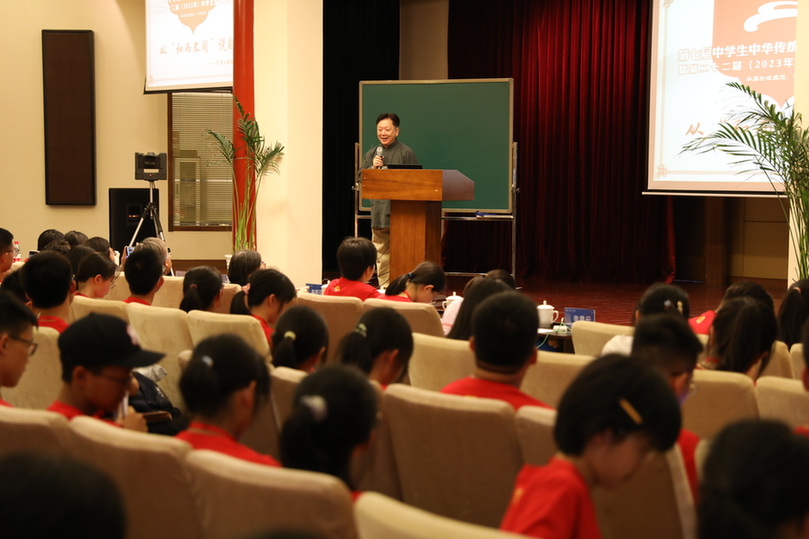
{"x": 7, "y": 252}
{"x": 451, "y": 312}
{"x": 668, "y": 343}
{"x": 242, "y": 265}
{"x": 75, "y": 238}
{"x": 504, "y": 334}
{"x": 60, "y": 246}
{"x": 12, "y": 284}
{"x": 701, "y": 324}
{"x": 480, "y": 288}
{"x": 95, "y": 275}
{"x": 754, "y": 484}
{"x": 144, "y": 273}
{"x": 380, "y": 346}
{"x": 419, "y": 286}
{"x": 202, "y": 289}
{"x": 98, "y": 353}
{"x": 742, "y": 335}
{"x": 223, "y": 385}
{"x": 158, "y": 246}
{"x": 47, "y": 279}
{"x": 610, "y": 417}
{"x": 267, "y": 294}
{"x": 17, "y": 324}
{"x": 793, "y": 313}
{"x": 101, "y": 246}
{"x": 48, "y": 236}
{"x": 76, "y": 254}
{"x": 333, "y": 414}
{"x": 357, "y": 260}
{"x": 803, "y": 429}
{"x": 657, "y": 299}
{"x": 300, "y": 339}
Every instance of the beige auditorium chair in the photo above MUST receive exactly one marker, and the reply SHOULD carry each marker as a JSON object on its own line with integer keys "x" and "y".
{"x": 374, "y": 468}
{"x": 33, "y": 430}
{"x": 589, "y": 338}
{"x": 422, "y": 317}
{"x": 228, "y": 291}
{"x": 655, "y": 502}
{"x": 381, "y": 517}
{"x": 203, "y": 324}
{"x": 548, "y": 379}
{"x": 238, "y": 499}
{"x": 81, "y": 307}
{"x": 796, "y": 357}
{"x": 535, "y": 432}
{"x": 284, "y": 383}
{"x": 120, "y": 291}
{"x": 262, "y": 434}
{"x": 171, "y": 293}
{"x": 340, "y": 313}
{"x": 720, "y": 399}
{"x": 457, "y": 456}
{"x": 150, "y": 472}
{"x": 783, "y": 400}
{"x": 780, "y": 363}
{"x": 42, "y": 379}
{"x": 165, "y": 330}
{"x": 437, "y": 361}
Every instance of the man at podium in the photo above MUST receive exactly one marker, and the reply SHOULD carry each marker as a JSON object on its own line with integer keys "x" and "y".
{"x": 389, "y": 152}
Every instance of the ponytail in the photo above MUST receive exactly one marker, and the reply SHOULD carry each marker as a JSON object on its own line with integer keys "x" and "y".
{"x": 378, "y": 330}
{"x": 743, "y": 330}
{"x": 267, "y": 282}
{"x": 201, "y": 287}
{"x": 426, "y": 273}
{"x": 238, "y": 305}
{"x": 300, "y": 334}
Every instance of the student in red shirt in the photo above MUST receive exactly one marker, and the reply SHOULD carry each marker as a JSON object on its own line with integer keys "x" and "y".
{"x": 17, "y": 324}
{"x": 357, "y": 260}
{"x": 202, "y": 289}
{"x": 268, "y": 293}
{"x": 611, "y": 416}
{"x": 477, "y": 290}
{"x": 144, "y": 273}
{"x": 224, "y": 384}
{"x": 804, "y": 429}
{"x": 702, "y": 324}
{"x": 300, "y": 339}
{"x": 7, "y": 252}
{"x": 333, "y": 414}
{"x": 419, "y": 286}
{"x": 242, "y": 265}
{"x": 95, "y": 276}
{"x": 504, "y": 333}
{"x": 48, "y": 281}
{"x": 380, "y": 345}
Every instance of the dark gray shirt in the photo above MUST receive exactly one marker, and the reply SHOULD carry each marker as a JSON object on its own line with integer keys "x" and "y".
{"x": 395, "y": 154}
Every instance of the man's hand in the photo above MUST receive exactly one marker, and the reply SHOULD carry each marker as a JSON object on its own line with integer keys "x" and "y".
{"x": 133, "y": 421}
{"x": 378, "y": 161}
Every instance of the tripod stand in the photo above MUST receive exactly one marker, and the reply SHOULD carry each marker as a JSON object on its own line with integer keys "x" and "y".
{"x": 152, "y": 211}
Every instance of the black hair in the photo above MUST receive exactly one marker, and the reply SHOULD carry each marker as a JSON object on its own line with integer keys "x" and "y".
{"x": 505, "y": 330}
{"x": 666, "y": 341}
{"x": 793, "y": 313}
{"x": 754, "y": 481}
{"x": 299, "y": 334}
{"x": 94, "y": 264}
{"x": 242, "y": 265}
{"x": 743, "y": 330}
{"x": 392, "y": 116}
{"x": 201, "y": 286}
{"x": 479, "y": 290}
{"x": 77, "y": 254}
{"x": 12, "y": 284}
{"x": 804, "y": 336}
{"x": 503, "y": 275}
{"x": 377, "y": 330}
{"x": 426, "y": 273}
{"x": 15, "y": 316}
{"x": 333, "y": 411}
{"x": 46, "y": 279}
{"x": 749, "y": 289}
{"x": 354, "y": 256}
{"x": 143, "y": 270}
{"x": 48, "y": 236}
{"x": 76, "y": 238}
{"x": 663, "y": 298}
{"x": 6, "y": 240}
{"x": 264, "y": 283}
{"x": 81, "y": 500}
{"x": 60, "y": 246}
{"x": 99, "y": 245}
{"x": 220, "y": 366}
{"x": 618, "y": 394}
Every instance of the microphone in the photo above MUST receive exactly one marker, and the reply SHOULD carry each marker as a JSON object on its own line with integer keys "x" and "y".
{"x": 379, "y": 151}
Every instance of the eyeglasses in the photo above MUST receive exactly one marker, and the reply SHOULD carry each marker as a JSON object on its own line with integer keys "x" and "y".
{"x": 122, "y": 381}
{"x": 32, "y": 346}
{"x": 15, "y": 251}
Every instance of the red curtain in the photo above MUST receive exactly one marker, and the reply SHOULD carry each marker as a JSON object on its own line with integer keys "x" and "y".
{"x": 580, "y": 70}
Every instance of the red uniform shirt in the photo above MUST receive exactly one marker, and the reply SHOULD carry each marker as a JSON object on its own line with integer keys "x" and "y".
{"x": 803, "y": 430}
{"x": 71, "y": 411}
{"x": 204, "y": 436}
{"x": 4, "y": 403}
{"x": 702, "y": 324}
{"x": 131, "y": 299}
{"x": 476, "y": 387}
{"x": 355, "y": 289}
{"x": 53, "y": 322}
{"x": 688, "y": 446}
{"x": 265, "y": 327}
{"x": 551, "y": 502}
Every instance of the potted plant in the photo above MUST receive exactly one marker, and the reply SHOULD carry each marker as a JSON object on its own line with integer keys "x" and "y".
{"x": 259, "y": 159}
{"x": 770, "y": 141}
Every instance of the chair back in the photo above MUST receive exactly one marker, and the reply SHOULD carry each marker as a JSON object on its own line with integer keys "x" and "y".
{"x": 381, "y": 517}
{"x": 535, "y": 432}
{"x": 457, "y": 456}
{"x": 171, "y": 293}
{"x": 438, "y": 361}
{"x": 422, "y": 317}
{"x": 120, "y": 291}
{"x": 203, "y": 324}
{"x": 228, "y": 291}
{"x": 796, "y": 357}
{"x": 375, "y": 468}
{"x": 340, "y": 313}
{"x": 150, "y": 472}
{"x": 165, "y": 330}
{"x": 42, "y": 379}
{"x": 780, "y": 363}
{"x": 589, "y": 338}
{"x": 262, "y": 434}
{"x": 553, "y": 372}
{"x": 284, "y": 383}
{"x": 81, "y": 307}
{"x": 33, "y": 430}
{"x": 721, "y": 398}
{"x": 239, "y": 499}
{"x": 782, "y": 399}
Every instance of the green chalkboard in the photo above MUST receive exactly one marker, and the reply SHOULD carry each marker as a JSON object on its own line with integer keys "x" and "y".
{"x": 464, "y": 125}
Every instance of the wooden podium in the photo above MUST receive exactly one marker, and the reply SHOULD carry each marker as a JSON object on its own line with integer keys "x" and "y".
{"x": 415, "y": 210}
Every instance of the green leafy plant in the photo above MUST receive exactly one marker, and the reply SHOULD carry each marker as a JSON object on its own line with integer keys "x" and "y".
{"x": 770, "y": 141}
{"x": 259, "y": 159}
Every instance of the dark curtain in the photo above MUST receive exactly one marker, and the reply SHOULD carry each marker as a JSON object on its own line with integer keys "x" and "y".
{"x": 580, "y": 70}
{"x": 360, "y": 42}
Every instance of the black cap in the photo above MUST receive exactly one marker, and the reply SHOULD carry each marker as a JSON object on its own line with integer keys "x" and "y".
{"x": 99, "y": 340}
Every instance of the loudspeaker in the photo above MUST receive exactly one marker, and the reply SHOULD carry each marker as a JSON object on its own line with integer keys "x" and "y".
{"x": 126, "y": 207}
